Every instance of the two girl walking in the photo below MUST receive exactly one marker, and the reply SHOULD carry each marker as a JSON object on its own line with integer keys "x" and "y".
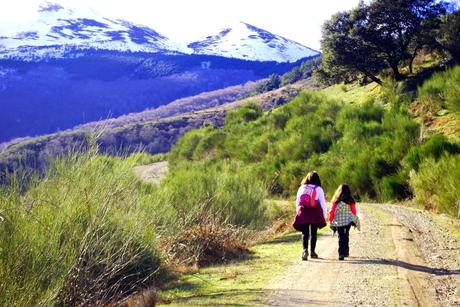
{"x": 311, "y": 214}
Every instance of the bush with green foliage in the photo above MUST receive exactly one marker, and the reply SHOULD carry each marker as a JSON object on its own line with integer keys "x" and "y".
{"x": 436, "y": 184}
{"x": 433, "y": 148}
{"x": 442, "y": 90}
{"x": 90, "y": 233}
{"x": 249, "y": 112}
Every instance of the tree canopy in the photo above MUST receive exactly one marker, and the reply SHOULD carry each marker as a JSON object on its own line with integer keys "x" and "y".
{"x": 449, "y": 35}
{"x": 382, "y": 34}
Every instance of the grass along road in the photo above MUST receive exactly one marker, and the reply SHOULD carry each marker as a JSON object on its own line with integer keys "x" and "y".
{"x": 386, "y": 267}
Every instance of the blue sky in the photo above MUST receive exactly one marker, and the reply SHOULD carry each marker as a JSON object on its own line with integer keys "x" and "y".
{"x": 187, "y": 20}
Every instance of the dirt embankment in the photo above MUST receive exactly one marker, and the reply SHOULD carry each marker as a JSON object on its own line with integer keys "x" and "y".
{"x": 400, "y": 257}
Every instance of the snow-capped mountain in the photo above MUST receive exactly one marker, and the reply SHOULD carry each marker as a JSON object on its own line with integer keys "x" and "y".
{"x": 70, "y": 66}
{"x": 60, "y": 32}
{"x": 58, "y": 29}
{"x": 244, "y": 41}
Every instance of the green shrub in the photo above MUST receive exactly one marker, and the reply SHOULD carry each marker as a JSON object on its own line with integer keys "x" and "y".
{"x": 434, "y": 147}
{"x": 186, "y": 146}
{"x": 436, "y": 184}
{"x": 393, "y": 187}
{"x": 351, "y": 115}
{"x": 442, "y": 90}
{"x": 228, "y": 190}
{"x": 247, "y": 113}
{"x": 89, "y": 232}
{"x": 394, "y": 94}
{"x": 279, "y": 118}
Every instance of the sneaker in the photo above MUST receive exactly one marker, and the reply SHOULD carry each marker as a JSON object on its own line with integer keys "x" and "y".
{"x": 314, "y": 255}
{"x": 341, "y": 258}
{"x": 304, "y": 255}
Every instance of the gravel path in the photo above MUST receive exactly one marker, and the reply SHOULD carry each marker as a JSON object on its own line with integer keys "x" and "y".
{"x": 400, "y": 257}
{"x": 438, "y": 249}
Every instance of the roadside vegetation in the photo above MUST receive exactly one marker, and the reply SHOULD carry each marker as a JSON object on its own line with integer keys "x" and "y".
{"x": 90, "y": 233}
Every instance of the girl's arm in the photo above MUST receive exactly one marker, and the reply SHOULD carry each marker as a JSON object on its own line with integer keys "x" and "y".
{"x": 322, "y": 201}
{"x": 353, "y": 208}
{"x": 332, "y": 213}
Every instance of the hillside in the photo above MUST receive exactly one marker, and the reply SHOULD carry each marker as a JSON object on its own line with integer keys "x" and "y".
{"x": 372, "y": 142}
{"x": 151, "y": 131}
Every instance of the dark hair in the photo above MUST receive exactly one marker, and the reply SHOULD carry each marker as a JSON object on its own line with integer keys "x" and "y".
{"x": 343, "y": 193}
{"x": 312, "y": 178}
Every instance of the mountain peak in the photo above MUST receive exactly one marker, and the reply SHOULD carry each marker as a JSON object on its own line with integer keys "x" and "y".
{"x": 245, "y": 41}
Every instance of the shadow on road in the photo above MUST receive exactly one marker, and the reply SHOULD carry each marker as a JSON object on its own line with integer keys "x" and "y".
{"x": 405, "y": 265}
{"x": 292, "y": 296}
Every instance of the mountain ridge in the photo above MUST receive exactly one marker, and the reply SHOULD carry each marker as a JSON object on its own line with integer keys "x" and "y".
{"x": 58, "y": 30}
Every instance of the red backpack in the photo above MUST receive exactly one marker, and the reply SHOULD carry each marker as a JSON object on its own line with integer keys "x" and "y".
{"x": 307, "y": 200}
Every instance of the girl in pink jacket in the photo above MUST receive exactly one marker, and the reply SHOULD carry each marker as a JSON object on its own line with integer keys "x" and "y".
{"x": 311, "y": 211}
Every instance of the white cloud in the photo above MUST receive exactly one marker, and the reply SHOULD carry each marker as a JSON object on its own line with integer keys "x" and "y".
{"x": 183, "y": 20}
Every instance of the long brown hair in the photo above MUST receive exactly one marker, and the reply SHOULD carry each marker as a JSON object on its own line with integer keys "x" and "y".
{"x": 343, "y": 193}
{"x": 311, "y": 178}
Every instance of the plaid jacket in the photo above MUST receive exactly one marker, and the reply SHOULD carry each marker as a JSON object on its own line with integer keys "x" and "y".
{"x": 343, "y": 215}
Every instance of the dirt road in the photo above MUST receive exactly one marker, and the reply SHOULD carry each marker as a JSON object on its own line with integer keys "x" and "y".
{"x": 152, "y": 173}
{"x": 399, "y": 258}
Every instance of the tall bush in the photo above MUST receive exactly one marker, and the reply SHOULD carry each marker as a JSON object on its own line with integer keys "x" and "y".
{"x": 76, "y": 237}
{"x": 436, "y": 184}
{"x": 442, "y": 90}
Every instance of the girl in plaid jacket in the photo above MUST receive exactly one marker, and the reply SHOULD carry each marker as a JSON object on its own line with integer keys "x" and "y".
{"x": 341, "y": 217}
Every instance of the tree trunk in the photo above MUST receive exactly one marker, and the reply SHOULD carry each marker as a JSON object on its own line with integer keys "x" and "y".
{"x": 372, "y": 77}
{"x": 411, "y": 61}
{"x": 397, "y": 75}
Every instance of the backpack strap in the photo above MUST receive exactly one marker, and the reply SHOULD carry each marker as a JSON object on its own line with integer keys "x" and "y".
{"x": 313, "y": 196}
